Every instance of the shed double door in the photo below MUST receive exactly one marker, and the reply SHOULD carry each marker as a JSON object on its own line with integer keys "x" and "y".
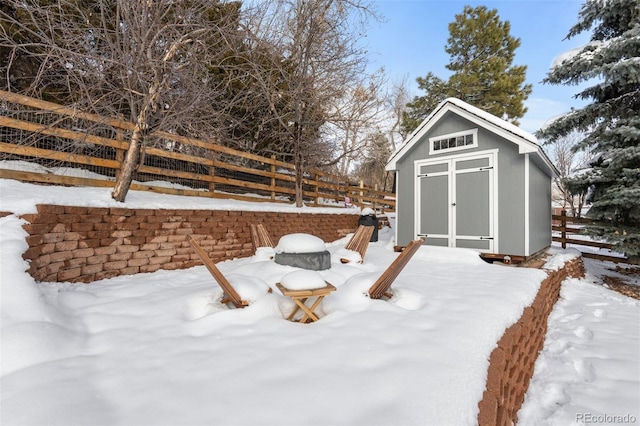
{"x": 455, "y": 201}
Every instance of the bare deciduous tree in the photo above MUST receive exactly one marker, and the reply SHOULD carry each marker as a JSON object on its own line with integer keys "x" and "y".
{"x": 317, "y": 41}
{"x": 568, "y": 161}
{"x": 155, "y": 62}
{"x": 396, "y": 103}
{"x": 355, "y": 117}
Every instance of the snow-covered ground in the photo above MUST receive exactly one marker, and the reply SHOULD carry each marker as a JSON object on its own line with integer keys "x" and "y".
{"x": 159, "y": 349}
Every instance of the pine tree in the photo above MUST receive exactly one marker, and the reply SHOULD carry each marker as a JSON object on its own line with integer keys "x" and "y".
{"x": 482, "y": 53}
{"x": 611, "y": 122}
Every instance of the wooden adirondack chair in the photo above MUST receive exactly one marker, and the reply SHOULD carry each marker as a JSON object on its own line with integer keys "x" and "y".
{"x": 260, "y": 237}
{"x": 230, "y": 293}
{"x": 359, "y": 242}
{"x": 382, "y": 285}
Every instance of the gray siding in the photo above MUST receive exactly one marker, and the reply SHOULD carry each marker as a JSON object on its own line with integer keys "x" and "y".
{"x": 539, "y": 209}
{"x": 511, "y": 214}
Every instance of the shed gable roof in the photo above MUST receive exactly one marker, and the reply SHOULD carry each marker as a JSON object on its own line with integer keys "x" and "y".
{"x": 526, "y": 142}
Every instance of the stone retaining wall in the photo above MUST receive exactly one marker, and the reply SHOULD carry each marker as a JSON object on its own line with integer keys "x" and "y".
{"x": 84, "y": 244}
{"x": 512, "y": 362}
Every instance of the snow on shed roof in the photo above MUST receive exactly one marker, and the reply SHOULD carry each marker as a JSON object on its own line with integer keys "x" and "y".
{"x": 527, "y": 143}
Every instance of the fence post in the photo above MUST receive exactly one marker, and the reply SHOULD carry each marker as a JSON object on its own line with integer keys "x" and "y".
{"x": 212, "y": 169}
{"x": 563, "y": 224}
{"x": 119, "y": 152}
{"x": 317, "y": 184}
{"x": 273, "y": 177}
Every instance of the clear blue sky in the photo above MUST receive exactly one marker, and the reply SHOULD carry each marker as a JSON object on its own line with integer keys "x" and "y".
{"x": 412, "y": 39}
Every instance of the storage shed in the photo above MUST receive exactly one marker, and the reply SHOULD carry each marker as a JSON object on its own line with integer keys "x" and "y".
{"x": 466, "y": 178}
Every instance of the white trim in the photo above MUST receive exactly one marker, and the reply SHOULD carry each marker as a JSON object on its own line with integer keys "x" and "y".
{"x": 395, "y": 228}
{"x": 474, "y": 144}
{"x": 526, "y": 204}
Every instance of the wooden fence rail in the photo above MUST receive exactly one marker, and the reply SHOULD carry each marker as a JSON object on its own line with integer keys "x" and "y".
{"x": 563, "y": 224}
{"x": 52, "y": 135}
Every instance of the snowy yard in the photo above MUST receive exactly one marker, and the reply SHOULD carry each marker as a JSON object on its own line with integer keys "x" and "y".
{"x": 159, "y": 348}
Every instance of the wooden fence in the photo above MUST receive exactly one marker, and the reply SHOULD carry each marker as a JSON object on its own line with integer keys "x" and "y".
{"x": 66, "y": 144}
{"x": 567, "y": 230}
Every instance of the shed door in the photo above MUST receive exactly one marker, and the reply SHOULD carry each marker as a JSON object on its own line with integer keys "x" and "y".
{"x": 455, "y": 202}
{"x": 434, "y": 222}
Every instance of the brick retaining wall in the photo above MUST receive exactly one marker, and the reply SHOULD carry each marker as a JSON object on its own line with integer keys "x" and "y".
{"x": 84, "y": 244}
{"x": 512, "y": 362}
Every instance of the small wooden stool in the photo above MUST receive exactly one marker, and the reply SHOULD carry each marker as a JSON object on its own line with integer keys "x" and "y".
{"x": 301, "y": 296}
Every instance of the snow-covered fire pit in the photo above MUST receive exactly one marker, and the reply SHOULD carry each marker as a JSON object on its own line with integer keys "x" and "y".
{"x": 303, "y": 251}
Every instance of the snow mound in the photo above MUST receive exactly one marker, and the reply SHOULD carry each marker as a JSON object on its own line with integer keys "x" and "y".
{"x": 249, "y": 288}
{"x": 303, "y": 280}
{"x": 300, "y": 243}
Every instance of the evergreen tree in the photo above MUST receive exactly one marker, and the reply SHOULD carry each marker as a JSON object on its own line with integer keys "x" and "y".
{"x": 482, "y": 53}
{"x": 611, "y": 122}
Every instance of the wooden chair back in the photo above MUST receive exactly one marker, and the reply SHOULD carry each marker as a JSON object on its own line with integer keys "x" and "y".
{"x": 230, "y": 292}
{"x": 383, "y": 283}
{"x": 359, "y": 242}
{"x": 260, "y": 237}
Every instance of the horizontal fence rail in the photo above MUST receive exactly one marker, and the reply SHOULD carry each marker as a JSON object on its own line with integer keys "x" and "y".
{"x": 568, "y": 231}
{"x": 67, "y": 147}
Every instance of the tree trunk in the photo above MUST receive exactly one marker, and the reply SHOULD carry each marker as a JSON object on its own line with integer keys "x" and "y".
{"x": 129, "y": 166}
{"x": 141, "y": 129}
{"x": 299, "y": 165}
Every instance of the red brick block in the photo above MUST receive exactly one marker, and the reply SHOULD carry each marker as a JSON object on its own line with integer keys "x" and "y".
{"x": 97, "y": 211}
{"x": 127, "y": 226}
{"x": 49, "y": 209}
{"x": 55, "y": 237}
{"x": 91, "y": 269}
{"x": 138, "y": 261}
{"x": 136, "y": 241}
{"x": 104, "y": 226}
{"x": 129, "y": 270}
{"x": 121, "y": 234}
{"x": 150, "y": 225}
{"x": 119, "y": 256}
{"x": 83, "y": 252}
{"x": 149, "y": 268}
{"x": 170, "y": 225}
{"x": 159, "y": 260}
{"x": 127, "y": 248}
{"x": 165, "y": 213}
{"x": 36, "y": 229}
{"x": 82, "y": 227}
{"x": 118, "y": 212}
{"x": 89, "y": 243}
{"x": 72, "y": 236}
{"x": 97, "y": 259}
{"x": 69, "y": 274}
{"x": 111, "y": 266}
{"x": 105, "y": 250}
{"x": 61, "y": 256}
{"x": 91, "y": 218}
{"x": 34, "y": 240}
{"x": 52, "y": 269}
{"x": 106, "y": 274}
{"x": 32, "y": 253}
{"x": 158, "y": 239}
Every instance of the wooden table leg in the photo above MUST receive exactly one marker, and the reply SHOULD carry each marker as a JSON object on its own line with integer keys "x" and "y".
{"x": 310, "y": 312}
{"x": 297, "y": 308}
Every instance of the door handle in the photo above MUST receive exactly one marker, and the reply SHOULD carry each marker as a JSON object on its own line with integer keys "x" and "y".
{"x": 453, "y": 204}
